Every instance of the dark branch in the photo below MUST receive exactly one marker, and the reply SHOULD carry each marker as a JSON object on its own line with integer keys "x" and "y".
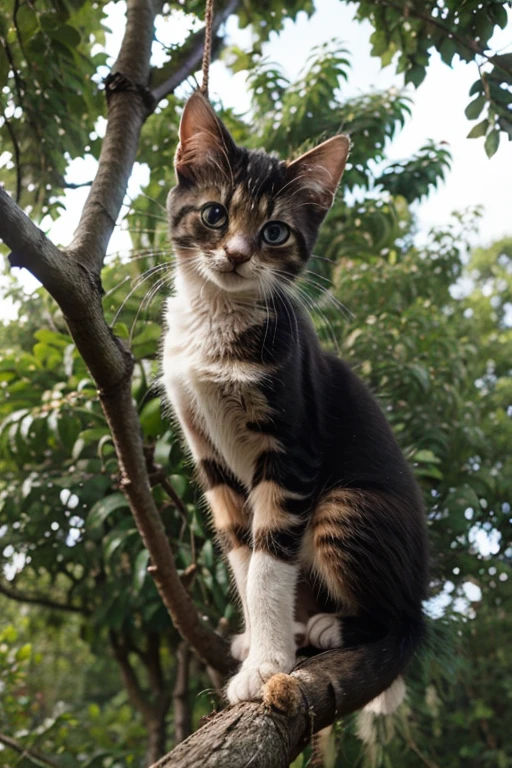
{"x": 17, "y": 157}
{"x": 193, "y": 54}
{"x": 21, "y": 597}
{"x": 181, "y": 709}
{"x": 135, "y": 693}
{"x": 35, "y": 757}
{"x": 72, "y": 185}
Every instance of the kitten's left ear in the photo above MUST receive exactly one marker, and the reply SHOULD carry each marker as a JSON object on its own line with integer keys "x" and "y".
{"x": 204, "y": 140}
{"x": 319, "y": 171}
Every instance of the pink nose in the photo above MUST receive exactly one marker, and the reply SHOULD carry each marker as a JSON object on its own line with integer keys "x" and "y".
{"x": 238, "y": 249}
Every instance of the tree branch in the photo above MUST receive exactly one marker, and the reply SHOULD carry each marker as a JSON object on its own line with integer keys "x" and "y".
{"x": 192, "y": 60}
{"x": 36, "y": 757}
{"x": 21, "y": 597}
{"x": 135, "y": 692}
{"x": 272, "y": 734}
{"x": 181, "y": 709}
{"x": 127, "y": 112}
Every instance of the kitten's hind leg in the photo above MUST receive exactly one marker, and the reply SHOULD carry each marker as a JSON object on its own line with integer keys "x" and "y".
{"x": 323, "y": 631}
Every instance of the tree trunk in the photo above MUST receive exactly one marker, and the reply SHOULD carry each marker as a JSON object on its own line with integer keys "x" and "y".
{"x": 156, "y": 741}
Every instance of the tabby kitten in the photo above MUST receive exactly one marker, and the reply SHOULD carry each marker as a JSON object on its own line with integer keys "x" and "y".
{"x": 313, "y": 503}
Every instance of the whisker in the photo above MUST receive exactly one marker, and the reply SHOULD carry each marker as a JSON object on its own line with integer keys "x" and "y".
{"x": 131, "y": 209}
{"x": 140, "y": 280}
{"x": 152, "y": 199}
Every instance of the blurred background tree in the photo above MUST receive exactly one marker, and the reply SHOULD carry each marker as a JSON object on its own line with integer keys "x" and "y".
{"x": 92, "y": 671}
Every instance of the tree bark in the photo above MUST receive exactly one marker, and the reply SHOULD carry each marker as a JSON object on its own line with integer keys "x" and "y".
{"x": 181, "y": 709}
{"x": 272, "y": 733}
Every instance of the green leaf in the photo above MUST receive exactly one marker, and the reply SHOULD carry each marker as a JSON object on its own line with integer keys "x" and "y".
{"x": 103, "y": 508}
{"x": 492, "y": 143}
{"x": 27, "y": 21}
{"x": 24, "y": 653}
{"x": 477, "y": 87}
{"x": 93, "y": 435}
{"x": 426, "y": 457}
{"x": 179, "y": 483}
{"x": 478, "y": 130}
{"x": 448, "y": 49}
{"x": 151, "y": 420}
{"x": 421, "y": 375}
{"x": 475, "y": 107}
{"x": 67, "y": 35}
{"x": 140, "y": 570}
{"x": 52, "y": 338}
{"x": 416, "y": 75}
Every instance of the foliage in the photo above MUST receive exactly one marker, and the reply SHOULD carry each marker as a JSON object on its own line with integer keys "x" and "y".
{"x": 406, "y": 33}
{"x": 427, "y": 327}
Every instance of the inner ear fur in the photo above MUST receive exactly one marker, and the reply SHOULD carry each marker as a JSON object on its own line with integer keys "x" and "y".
{"x": 204, "y": 140}
{"x": 319, "y": 171}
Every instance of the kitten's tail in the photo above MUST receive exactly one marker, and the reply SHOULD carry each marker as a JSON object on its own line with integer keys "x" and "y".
{"x": 369, "y": 667}
{"x": 387, "y": 659}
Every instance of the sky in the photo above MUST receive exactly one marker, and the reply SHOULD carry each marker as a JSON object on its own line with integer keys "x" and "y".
{"x": 438, "y": 113}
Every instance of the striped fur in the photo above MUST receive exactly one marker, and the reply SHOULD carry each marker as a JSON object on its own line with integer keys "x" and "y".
{"x": 314, "y": 505}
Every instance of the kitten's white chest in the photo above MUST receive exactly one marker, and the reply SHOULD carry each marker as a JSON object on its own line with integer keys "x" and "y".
{"x": 210, "y": 390}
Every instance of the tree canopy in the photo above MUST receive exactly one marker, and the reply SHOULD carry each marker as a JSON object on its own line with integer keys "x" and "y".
{"x": 93, "y": 671}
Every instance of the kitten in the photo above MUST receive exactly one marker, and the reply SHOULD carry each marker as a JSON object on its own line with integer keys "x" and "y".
{"x": 314, "y": 505}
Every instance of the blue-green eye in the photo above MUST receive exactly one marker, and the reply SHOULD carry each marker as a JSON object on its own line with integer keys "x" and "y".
{"x": 275, "y": 233}
{"x": 214, "y": 215}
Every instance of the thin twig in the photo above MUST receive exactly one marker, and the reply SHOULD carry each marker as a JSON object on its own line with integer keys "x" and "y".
{"x": 21, "y": 597}
{"x": 34, "y": 756}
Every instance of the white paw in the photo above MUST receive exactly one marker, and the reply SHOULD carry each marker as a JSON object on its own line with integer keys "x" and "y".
{"x": 240, "y": 645}
{"x": 324, "y": 631}
{"x": 248, "y": 683}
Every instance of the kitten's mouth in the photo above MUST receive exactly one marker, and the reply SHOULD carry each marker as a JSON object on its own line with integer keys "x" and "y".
{"x": 231, "y": 279}
{"x": 230, "y": 269}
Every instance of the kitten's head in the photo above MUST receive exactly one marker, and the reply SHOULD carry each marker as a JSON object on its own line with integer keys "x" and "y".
{"x": 241, "y": 219}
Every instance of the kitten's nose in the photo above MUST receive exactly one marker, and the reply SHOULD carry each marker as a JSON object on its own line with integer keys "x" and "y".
{"x": 238, "y": 249}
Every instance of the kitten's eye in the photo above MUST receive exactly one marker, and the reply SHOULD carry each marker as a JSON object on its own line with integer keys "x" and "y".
{"x": 214, "y": 215}
{"x": 275, "y": 233}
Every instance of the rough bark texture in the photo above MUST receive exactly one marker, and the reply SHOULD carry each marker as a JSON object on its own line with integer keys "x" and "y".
{"x": 271, "y": 734}
{"x": 181, "y": 710}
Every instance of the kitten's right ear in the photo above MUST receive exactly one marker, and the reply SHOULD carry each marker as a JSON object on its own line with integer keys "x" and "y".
{"x": 204, "y": 140}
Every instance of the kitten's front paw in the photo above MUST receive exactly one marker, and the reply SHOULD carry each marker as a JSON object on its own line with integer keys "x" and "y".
{"x": 240, "y": 646}
{"x": 248, "y": 683}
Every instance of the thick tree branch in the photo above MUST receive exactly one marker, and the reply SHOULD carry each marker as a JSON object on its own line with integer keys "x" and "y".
{"x": 21, "y": 597}
{"x": 35, "y": 757}
{"x": 272, "y": 734}
{"x": 194, "y": 53}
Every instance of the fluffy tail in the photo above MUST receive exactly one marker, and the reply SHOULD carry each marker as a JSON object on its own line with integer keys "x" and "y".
{"x": 388, "y": 656}
{"x": 366, "y": 673}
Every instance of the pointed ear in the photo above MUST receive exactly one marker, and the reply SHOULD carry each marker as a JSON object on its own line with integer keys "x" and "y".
{"x": 319, "y": 171}
{"x": 203, "y": 138}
